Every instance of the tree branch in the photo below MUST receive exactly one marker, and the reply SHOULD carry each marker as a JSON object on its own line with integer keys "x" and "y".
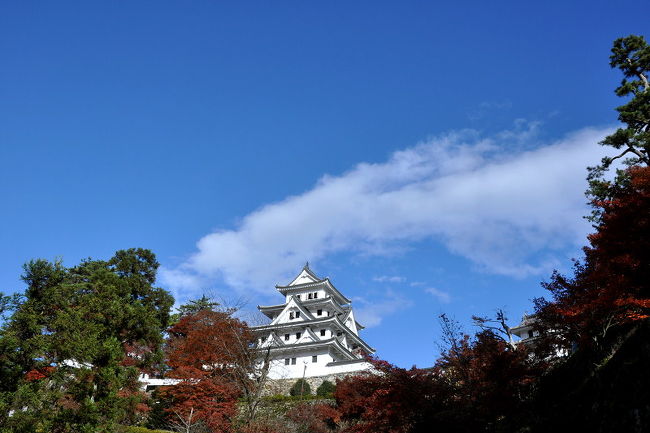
{"x": 641, "y": 156}
{"x": 639, "y": 74}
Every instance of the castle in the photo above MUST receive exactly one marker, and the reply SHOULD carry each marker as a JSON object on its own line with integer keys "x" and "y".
{"x": 313, "y": 333}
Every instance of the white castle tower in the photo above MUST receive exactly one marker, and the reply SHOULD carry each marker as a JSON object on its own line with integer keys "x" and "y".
{"x": 313, "y": 333}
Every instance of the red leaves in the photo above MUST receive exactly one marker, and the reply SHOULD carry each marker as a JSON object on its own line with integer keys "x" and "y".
{"x": 394, "y": 400}
{"x": 203, "y": 351}
{"x": 314, "y": 418}
{"x": 612, "y": 287}
{"x": 205, "y": 341}
{"x": 478, "y": 382}
{"x": 38, "y": 374}
{"x": 207, "y": 399}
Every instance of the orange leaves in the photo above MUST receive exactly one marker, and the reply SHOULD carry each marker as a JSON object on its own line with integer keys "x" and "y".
{"x": 38, "y": 374}
{"x": 643, "y": 303}
{"x": 314, "y": 418}
{"x": 206, "y": 339}
{"x": 203, "y": 350}
{"x": 612, "y": 287}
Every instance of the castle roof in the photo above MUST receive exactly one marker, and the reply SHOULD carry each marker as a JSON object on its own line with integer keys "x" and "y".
{"x": 334, "y": 343}
{"x": 307, "y": 279}
{"x": 270, "y": 310}
{"x": 331, "y": 320}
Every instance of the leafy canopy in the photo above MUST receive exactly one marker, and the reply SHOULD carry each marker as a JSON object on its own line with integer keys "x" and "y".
{"x": 631, "y": 55}
{"x": 71, "y": 352}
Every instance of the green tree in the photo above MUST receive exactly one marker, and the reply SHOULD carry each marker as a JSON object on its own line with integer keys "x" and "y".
{"x": 326, "y": 389}
{"x": 194, "y": 306}
{"x": 301, "y": 387}
{"x": 71, "y": 353}
{"x": 631, "y": 55}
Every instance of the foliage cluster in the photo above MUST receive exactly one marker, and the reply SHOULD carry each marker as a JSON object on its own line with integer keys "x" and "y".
{"x": 282, "y": 397}
{"x": 326, "y": 389}
{"x": 300, "y": 388}
{"x": 71, "y": 352}
{"x": 136, "y": 429}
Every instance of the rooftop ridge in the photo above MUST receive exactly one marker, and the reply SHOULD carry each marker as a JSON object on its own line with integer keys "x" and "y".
{"x": 326, "y": 281}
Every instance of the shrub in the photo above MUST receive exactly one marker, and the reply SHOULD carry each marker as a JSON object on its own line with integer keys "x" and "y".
{"x": 134, "y": 429}
{"x": 326, "y": 389}
{"x": 301, "y": 387}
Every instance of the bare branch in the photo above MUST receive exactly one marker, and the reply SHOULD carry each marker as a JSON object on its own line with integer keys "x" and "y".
{"x": 501, "y": 326}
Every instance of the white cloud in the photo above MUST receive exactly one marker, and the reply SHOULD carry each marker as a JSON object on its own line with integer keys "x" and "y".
{"x": 508, "y": 206}
{"x": 389, "y": 279}
{"x": 441, "y": 295}
{"x": 371, "y": 313}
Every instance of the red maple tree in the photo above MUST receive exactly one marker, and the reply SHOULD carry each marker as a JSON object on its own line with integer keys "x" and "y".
{"x": 477, "y": 382}
{"x": 202, "y": 353}
{"x": 611, "y": 286}
{"x": 394, "y": 400}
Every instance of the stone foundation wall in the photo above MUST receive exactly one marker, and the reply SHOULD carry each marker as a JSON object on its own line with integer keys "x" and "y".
{"x": 282, "y": 386}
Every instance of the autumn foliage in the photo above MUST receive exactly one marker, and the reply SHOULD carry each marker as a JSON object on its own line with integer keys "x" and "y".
{"x": 479, "y": 381}
{"x": 395, "y": 400}
{"x": 202, "y": 353}
{"x": 611, "y": 286}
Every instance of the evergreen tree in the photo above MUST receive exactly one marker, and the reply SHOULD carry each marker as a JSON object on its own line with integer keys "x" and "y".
{"x": 301, "y": 387}
{"x": 326, "y": 389}
{"x": 71, "y": 353}
{"x": 631, "y": 55}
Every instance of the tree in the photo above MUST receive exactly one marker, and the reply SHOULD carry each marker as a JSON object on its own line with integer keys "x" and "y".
{"x": 497, "y": 325}
{"x": 611, "y": 286}
{"x": 301, "y": 387}
{"x": 631, "y": 55}
{"x": 71, "y": 353}
{"x": 312, "y": 418}
{"x": 326, "y": 389}
{"x": 188, "y": 423}
{"x": 214, "y": 355}
{"x": 394, "y": 400}
{"x": 194, "y": 306}
{"x": 200, "y": 354}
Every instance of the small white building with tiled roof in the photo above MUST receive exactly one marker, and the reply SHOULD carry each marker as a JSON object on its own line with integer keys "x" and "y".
{"x": 525, "y": 330}
{"x": 313, "y": 333}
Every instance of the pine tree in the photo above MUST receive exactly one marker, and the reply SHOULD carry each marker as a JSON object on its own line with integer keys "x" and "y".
{"x": 71, "y": 353}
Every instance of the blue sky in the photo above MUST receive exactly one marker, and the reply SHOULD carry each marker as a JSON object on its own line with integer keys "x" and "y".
{"x": 427, "y": 157}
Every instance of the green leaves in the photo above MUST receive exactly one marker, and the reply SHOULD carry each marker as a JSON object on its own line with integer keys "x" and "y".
{"x": 71, "y": 352}
{"x": 631, "y": 55}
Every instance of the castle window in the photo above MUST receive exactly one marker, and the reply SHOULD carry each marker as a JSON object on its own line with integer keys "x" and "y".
{"x": 293, "y": 361}
{"x": 298, "y": 335}
{"x": 298, "y": 297}
{"x": 314, "y": 358}
{"x": 322, "y": 332}
{"x": 291, "y": 315}
{"x": 315, "y": 295}
{"x": 286, "y": 361}
{"x": 309, "y": 297}
{"x": 338, "y": 334}
{"x": 286, "y": 337}
{"x": 297, "y": 314}
{"x": 319, "y": 312}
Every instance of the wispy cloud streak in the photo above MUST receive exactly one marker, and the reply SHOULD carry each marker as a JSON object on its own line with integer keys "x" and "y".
{"x": 508, "y": 203}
